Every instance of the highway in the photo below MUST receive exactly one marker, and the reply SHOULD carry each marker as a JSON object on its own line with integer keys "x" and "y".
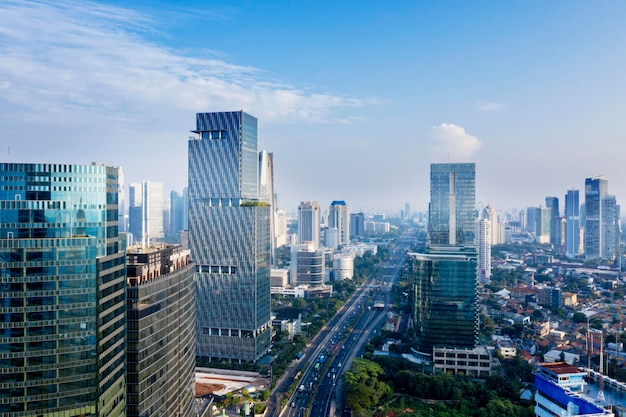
{"x": 319, "y": 389}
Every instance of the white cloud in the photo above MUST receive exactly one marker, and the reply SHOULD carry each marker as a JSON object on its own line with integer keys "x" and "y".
{"x": 452, "y": 143}
{"x": 80, "y": 59}
{"x": 489, "y": 105}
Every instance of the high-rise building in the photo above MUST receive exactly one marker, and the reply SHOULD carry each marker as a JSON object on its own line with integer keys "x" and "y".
{"x": 452, "y": 211}
{"x": 444, "y": 278}
{"x": 610, "y": 227}
{"x": 63, "y": 280}
{"x": 444, "y": 293}
{"x": 339, "y": 218}
{"x": 309, "y": 222}
{"x": 135, "y": 210}
{"x": 596, "y": 189}
{"x": 357, "y": 225}
{"x": 161, "y": 311}
{"x": 572, "y": 224}
{"x": 490, "y": 214}
{"x": 229, "y": 238}
{"x": 555, "y": 222}
{"x": 483, "y": 245}
{"x": 176, "y": 213}
{"x": 266, "y": 194}
{"x": 146, "y": 211}
{"x": 307, "y": 264}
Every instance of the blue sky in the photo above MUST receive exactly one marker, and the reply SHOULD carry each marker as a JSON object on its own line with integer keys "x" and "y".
{"x": 355, "y": 99}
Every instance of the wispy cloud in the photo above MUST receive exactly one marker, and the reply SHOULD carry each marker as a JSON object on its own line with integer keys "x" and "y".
{"x": 453, "y": 143}
{"x": 489, "y": 105}
{"x": 77, "y": 59}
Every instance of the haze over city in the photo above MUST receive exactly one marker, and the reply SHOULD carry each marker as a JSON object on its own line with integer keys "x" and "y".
{"x": 355, "y": 99}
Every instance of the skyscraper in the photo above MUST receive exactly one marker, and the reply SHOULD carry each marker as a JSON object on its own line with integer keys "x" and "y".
{"x": 229, "y": 238}
{"x": 452, "y": 215}
{"x": 444, "y": 278}
{"x": 309, "y": 222}
{"x": 63, "y": 280}
{"x": 572, "y": 224}
{"x": 161, "y": 311}
{"x": 146, "y": 211}
{"x": 357, "y": 225}
{"x": 483, "y": 245}
{"x": 339, "y": 219}
{"x": 266, "y": 194}
{"x": 555, "y": 222}
{"x": 595, "y": 190}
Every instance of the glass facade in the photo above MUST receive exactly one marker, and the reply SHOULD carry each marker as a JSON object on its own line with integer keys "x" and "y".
{"x": 62, "y": 298}
{"x": 445, "y": 298}
{"x": 572, "y": 223}
{"x": 229, "y": 239}
{"x": 452, "y": 210}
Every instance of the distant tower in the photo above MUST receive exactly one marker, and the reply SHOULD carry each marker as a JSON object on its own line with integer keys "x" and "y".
{"x": 357, "y": 225}
{"x": 555, "y": 222}
{"x": 266, "y": 194}
{"x": 483, "y": 244}
{"x": 490, "y": 214}
{"x": 229, "y": 239}
{"x": 572, "y": 224}
{"x": 309, "y": 223}
{"x": 595, "y": 191}
{"x": 339, "y": 218}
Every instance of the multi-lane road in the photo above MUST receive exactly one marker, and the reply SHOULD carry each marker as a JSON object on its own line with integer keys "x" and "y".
{"x": 318, "y": 393}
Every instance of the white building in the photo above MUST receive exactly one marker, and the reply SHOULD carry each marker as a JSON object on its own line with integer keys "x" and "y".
{"x": 343, "y": 267}
{"x": 309, "y": 222}
{"x": 483, "y": 245}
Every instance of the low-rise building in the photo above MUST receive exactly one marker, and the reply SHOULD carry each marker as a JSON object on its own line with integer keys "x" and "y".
{"x": 476, "y": 362}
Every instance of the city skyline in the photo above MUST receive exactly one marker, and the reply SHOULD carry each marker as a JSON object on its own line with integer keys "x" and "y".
{"x": 519, "y": 89}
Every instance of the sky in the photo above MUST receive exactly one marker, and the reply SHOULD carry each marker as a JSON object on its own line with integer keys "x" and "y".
{"x": 354, "y": 98}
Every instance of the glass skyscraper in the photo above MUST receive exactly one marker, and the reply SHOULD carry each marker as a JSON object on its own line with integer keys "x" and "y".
{"x": 572, "y": 224}
{"x": 452, "y": 209}
{"x": 63, "y": 297}
{"x": 596, "y": 189}
{"x": 229, "y": 238}
{"x": 445, "y": 277}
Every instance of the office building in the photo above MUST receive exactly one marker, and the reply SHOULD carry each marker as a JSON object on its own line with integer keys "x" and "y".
{"x": 357, "y": 225}
{"x": 552, "y": 203}
{"x": 596, "y": 189}
{"x": 339, "y": 218}
{"x": 161, "y": 311}
{"x": 307, "y": 265}
{"x": 444, "y": 294}
{"x": 229, "y": 239}
{"x": 146, "y": 211}
{"x": 452, "y": 208}
{"x": 444, "y": 278}
{"x": 610, "y": 228}
{"x": 177, "y": 213}
{"x": 309, "y": 222}
{"x": 63, "y": 279}
{"x": 572, "y": 224}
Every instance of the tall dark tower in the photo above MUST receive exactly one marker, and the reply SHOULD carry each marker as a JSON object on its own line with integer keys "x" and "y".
{"x": 229, "y": 238}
